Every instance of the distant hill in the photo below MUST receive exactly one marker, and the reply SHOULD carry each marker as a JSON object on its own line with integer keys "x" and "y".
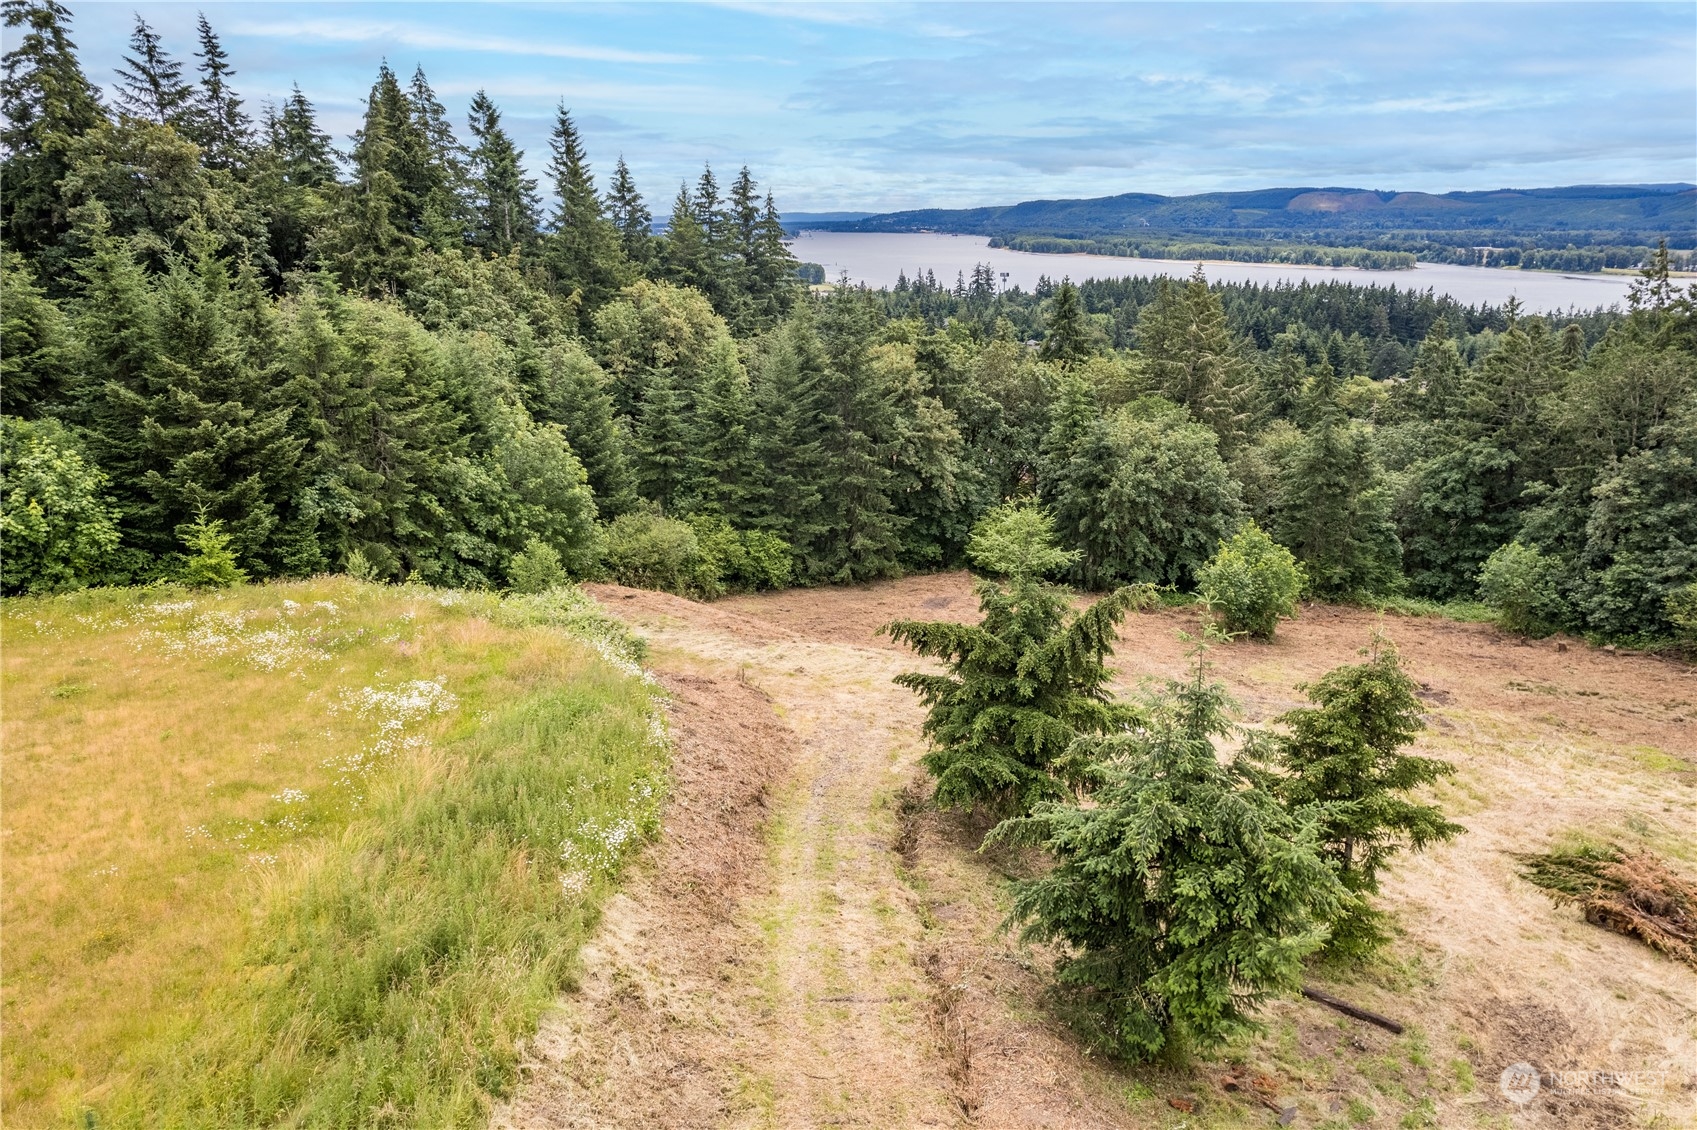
{"x": 795, "y": 221}
{"x": 1636, "y": 213}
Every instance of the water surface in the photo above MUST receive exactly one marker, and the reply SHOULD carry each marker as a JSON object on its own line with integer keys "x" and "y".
{"x": 876, "y": 258}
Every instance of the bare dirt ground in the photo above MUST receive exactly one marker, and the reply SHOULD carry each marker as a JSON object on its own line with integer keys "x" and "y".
{"x": 811, "y": 945}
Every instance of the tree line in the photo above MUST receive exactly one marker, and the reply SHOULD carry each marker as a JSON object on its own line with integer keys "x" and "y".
{"x": 395, "y": 361}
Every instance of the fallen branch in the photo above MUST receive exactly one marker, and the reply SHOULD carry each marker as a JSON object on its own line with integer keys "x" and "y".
{"x": 1348, "y": 1009}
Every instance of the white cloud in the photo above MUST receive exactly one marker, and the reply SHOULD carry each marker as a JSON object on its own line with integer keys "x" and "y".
{"x": 412, "y": 35}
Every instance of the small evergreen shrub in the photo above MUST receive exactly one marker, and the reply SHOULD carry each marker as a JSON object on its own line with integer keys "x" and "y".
{"x": 536, "y": 569}
{"x": 1524, "y": 587}
{"x": 1185, "y": 894}
{"x": 1251, "y": 583}
{"x": 210, "y": 563}
{"x": 1022, "y": 684}
{"x": 1342, "y": 759}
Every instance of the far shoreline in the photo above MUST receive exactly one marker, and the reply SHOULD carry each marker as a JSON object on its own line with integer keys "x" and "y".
{"x": 1605, "y": 273}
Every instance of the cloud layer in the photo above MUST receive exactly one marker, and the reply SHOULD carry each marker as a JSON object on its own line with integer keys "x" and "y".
{"x": 891, "y": 106}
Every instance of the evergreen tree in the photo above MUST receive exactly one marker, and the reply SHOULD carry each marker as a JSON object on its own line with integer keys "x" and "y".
{"x": 788, "y": 442}
{"x": 506, "y": 204}
{"x": 37, "y": 352}
{"x": 687, "y": 256}
{"x": 583, "y": 251}
{"x": 773, "y": 284}
{"x": 1334, "y": 511}
{"x": 46, "y": 103}
{"x": 214, "y": 118}
{"x": 724, "y": 477}
{"x": 575, "y": 396}
{"x": 1343, "y": 761}
{"x": 1185, "y": 894}
{"x": 860, "y": 539}
{"x": 1025, "y": 682}
{"x": 433, "y": 168}
{"x": 1195, "y": 363}
{"x": 1067, "y": 339}
{"x": 150, "y": 83}
{"x": 1471, "y": 495}
{"x": 663, "y": 442}
{"x": 630, "y": 215}
{"x": 372, "y": 244}
{"x": 294, "y": 179}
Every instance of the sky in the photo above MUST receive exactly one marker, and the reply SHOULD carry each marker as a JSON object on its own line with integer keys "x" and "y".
{"x": 882, "y": 106}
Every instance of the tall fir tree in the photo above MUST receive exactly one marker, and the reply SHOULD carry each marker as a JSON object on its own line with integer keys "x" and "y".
{"x": 788, "y": 442}
{"x": 861, "y": 537}
{"x": 686, "y": 255}
{"x": 506, "y": 204}
{"x": 440, "y": 183}
{"x": 1334, "y": 511}
{"x": 583, "y": 252}
{"x": 294, "y": 178}
{"x": 215, "y": 120}
{"x": 724, "y": 477}
{"x": 1184, "y": 335}
{"x": 630, "y": 215}
{"x": 1067, "y": 339}
{"x": 46, "y": 103}
{"x": 150, "y": 83}
{"x": 371, "y": 243}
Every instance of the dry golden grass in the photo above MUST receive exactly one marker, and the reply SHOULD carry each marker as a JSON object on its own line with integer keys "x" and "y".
{"x": 168, "y": 756}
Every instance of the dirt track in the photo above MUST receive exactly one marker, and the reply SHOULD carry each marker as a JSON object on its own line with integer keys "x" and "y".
{"x": 809, "y": 947}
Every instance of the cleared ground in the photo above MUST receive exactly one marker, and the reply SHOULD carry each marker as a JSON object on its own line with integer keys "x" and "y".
{"x": 810, "y": 945}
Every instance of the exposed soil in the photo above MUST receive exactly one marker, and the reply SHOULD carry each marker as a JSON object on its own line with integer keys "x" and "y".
{"x": 811, "y": 944}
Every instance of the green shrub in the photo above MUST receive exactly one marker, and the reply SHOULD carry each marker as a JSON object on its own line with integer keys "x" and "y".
{"x": 58, "y": 529}
{"x": 1681, "y": 605}
{"x": 1251, "y": 582}
{"x": 746, "y": 560}
{"x": 1524, "y": 587}
{"x": 210, "y": 563}
{"x": 536, "y": 569}
{"x": 650, "y": 551}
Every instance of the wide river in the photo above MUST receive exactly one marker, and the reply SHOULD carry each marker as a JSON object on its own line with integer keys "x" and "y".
{"x": 875, "y": 258}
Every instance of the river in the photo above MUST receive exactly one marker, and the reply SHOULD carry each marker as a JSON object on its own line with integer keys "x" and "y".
{"x": 875, "y": 258}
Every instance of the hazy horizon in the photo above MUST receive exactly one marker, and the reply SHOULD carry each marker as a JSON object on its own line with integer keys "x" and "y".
{"x": 882, "y": 107}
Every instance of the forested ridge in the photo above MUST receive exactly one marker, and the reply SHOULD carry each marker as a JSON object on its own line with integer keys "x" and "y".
{"x": 397, "y": 355}
{"x": 1577, "y": 228}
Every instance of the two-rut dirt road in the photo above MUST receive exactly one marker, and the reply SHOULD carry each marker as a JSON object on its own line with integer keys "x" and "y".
{"x": 807, "y": 946}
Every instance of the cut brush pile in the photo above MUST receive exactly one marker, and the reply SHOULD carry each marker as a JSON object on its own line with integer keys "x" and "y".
{"x": 1631, "y": 893}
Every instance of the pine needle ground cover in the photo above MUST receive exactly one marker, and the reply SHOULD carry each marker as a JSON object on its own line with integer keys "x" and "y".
{"x": 314, "y": 854}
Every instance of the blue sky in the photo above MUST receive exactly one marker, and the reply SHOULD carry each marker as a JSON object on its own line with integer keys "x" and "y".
{"x": 882, "y": 106}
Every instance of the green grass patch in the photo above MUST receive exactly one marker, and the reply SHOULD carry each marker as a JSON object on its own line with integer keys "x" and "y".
{"x": 407, "y": 808}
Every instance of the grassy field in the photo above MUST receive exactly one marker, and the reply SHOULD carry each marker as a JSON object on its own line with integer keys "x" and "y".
{"x": 311, "y": 854}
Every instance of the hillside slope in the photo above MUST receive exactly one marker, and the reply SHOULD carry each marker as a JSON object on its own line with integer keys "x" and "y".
{"x": 314, "y": 854}
{"x": 812, "y": 945}
{"x": 1633, "y": 213}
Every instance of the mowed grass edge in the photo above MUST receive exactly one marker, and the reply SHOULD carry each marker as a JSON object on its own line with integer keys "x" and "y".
{"x": 393, "y": 963}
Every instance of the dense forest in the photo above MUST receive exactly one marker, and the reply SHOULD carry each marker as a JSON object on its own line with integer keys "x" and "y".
{"x": 227, "y": 338}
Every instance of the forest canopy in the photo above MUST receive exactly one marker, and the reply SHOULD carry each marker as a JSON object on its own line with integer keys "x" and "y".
{"x": 402, "y": 355}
